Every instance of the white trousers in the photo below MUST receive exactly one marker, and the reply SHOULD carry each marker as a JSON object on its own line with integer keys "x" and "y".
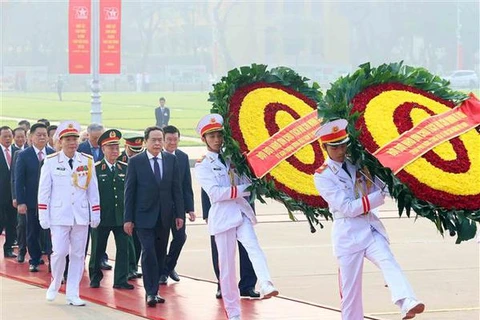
{"x": 69, "y": 240}
{"x": 350, "y": 277}
{"x": 227, "y": 246}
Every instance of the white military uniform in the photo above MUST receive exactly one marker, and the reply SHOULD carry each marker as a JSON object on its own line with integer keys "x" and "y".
{"x": 66, "y": 197}
{"x": 357, "y": 233}
{"x": 230, "y": 219}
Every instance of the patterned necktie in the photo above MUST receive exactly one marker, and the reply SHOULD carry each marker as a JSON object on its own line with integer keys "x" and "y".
{"x": 70, "y": 162}
{"x": 156, "y": 169}
{"x": 9, "y": 156}
{"x": 40, "y": 156}
{"x": 344, "y": 167}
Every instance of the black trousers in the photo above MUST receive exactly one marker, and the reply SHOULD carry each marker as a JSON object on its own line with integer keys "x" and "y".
{"x": 33, "y": 237}
{"x": 8, "y": 222}
{"x": 248, "y": 278}
{"x": 179, "y": 237}
{"x": 22, "y": 233}
{"x": 154, "y": 243}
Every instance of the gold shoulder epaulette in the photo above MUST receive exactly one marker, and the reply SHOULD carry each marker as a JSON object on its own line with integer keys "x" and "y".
{"x": 53, "y": 155}
{"x": 87, "y": 155}
{"x": 201, "y": 159}
{"x": 124, "y": 163}
{"x": 321, "y": 168}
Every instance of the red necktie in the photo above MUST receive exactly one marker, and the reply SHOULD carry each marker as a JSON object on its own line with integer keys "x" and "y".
{"x": 9, "y": 157}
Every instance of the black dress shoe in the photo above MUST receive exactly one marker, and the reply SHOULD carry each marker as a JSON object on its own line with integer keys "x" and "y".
{"x": 159, "y": 299}
{"x": 218, "y": 295}
{"x": 21, "y": 258}
{"x": 163, "y": 279}
{"x": 105, "y": 266}
{"x": 94, "y": 284}
{"x": 33, "y": 268}
{"x": 251, "y": 293}
{"x": 132, "y": 275}
{"x": 9, "y": 254}
{"x": 41, "y": 262}
{"x": 125, "y": 285}
{"x": 174, "y": 276}
{"x": 139, "y": 274}
{"x": 151, "y": 300}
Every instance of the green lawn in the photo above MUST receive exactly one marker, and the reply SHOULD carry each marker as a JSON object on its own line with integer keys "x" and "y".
{"x": 133, "y": 111}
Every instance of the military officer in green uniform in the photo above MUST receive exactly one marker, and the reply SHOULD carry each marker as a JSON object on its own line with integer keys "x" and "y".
{"x": 133, "y": 146}
{"x": 111, "y": 178}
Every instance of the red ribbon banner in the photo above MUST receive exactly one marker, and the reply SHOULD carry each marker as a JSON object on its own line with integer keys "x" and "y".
{"x": 428, "y": 134}
{"x": 79, "y": 23}
{"x": 283, "y": 144}
{"x": 110, "y": 27}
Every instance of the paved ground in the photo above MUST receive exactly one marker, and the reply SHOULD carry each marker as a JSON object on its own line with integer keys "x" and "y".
{"x": 444, "y": 275}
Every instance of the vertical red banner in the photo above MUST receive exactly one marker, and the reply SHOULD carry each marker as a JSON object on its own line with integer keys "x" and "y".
{"x": 110, "y": 28}
{"x": 79, "y": 39}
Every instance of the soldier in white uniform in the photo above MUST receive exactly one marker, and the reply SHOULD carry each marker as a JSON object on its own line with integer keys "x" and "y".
{"x": 230, "y": 218}
{"x": 353, "y": 198}
{"x": 67, "y": 193}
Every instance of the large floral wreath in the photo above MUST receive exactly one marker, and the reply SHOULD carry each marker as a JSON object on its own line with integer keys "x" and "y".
{"x": 381, "y": 104}
{"x": 256, "y": 103}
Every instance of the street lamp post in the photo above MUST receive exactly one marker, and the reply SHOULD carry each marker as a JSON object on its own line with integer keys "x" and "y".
{"x": 96, "y": 103}
{"x": 459, "y": 39}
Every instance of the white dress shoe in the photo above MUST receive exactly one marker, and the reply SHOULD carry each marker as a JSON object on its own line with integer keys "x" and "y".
{"x": 51, "y": 295}
{"x": 411, "y": 307}
{"x": 75, "y": 301}
{"x": 234, "y": 318}
{"x": 268, "y": 290}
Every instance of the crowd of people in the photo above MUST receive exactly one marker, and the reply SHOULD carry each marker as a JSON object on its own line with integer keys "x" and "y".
{"x": 58, "y": 192}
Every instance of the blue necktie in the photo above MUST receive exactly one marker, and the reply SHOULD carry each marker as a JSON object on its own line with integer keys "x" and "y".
{"x": 156, "y": 169}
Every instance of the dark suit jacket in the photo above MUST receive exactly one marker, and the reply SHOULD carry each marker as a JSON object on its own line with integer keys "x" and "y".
{"x": 162, "y": 117}
{"x": 145, "y": 198}
{"x": 5, "y": 178}
{"x": 26, "y": 175}
{"x": 85, "y": 148}
{"x": 185, "y": 179}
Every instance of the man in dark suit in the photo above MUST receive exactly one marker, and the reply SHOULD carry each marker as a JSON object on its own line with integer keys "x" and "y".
{"x": 162, "y": 114}
{"x": 92, "y": 147}
{"x": 172, "y": 138}
{"x": 248, "y": 279}
{"x": 153, "y": 197}
{"x": 27, "y": 174}
{"x": 8, "y": 213}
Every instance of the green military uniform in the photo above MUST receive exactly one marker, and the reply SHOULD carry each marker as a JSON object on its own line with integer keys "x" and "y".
{"x": 111, "y": 188}
{"x": 135, "y": 143}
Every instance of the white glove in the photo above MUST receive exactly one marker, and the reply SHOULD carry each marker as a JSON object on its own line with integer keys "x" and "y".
{"x": 45, "y": 224}
{"x": 94, "y": 222}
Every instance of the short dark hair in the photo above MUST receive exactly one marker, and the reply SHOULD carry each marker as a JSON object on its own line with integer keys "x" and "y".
{"x": 19, "y": 129}
{"x": 150, "y": 129}
{"x": 50, "y": 128}
{"x": 37, "y": 126}
{"x": 171, "y": 129}
{"x": 161, "y": 98}
{"x": 6, "y": 128}
{"x": 44, "y": 121}
{"x": 24, "y": 122}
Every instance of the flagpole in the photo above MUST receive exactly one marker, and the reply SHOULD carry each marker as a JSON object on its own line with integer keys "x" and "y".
{"x": 96, "y": 103}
